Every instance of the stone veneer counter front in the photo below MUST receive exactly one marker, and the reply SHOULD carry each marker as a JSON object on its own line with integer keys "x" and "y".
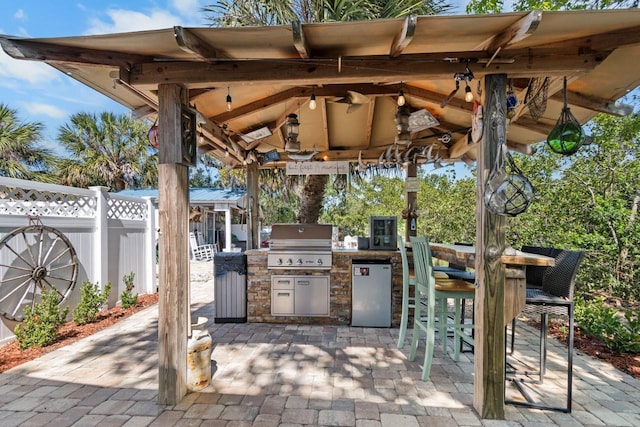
{"x": 259, "y": 287}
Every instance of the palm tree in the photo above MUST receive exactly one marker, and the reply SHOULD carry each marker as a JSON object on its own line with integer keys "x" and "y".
{"x": 234, "y": 13}
{"x": 20, "y": 157}
{"x": 109, "y": 150}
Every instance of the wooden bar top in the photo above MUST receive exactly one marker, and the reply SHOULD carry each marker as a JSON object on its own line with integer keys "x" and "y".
{"x": 463, "y": 254}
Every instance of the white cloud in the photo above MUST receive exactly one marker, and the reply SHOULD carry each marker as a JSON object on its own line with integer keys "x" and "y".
{"x": 32, "y": 72}
{"x": 20, "y": 15}
{"x": 191, "y": 10}
{"x": 37, "y": 108}
{"x": 122, "y": 21}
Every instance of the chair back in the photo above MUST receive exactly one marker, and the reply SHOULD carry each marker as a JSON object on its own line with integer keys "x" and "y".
{"x": 560, "y": 279}
{"x": 405, "y": 260}
{"x": 422, "y": 264}
{"x": 535, "y": 274}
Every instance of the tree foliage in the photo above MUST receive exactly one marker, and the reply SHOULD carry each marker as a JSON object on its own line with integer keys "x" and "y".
{"x": 21, "y": 156}
{"x": 109, "y": 150}
{"x": 234, "y": 13}
{"x": 497, "y": 6}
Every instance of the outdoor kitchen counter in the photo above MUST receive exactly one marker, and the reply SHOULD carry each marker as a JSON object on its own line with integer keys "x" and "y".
{"x": 259, "y": 286}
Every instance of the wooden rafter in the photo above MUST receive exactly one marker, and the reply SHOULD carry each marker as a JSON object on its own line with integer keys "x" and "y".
{"x": 299, "y": 40}
{"x": 404, "y": 36}
{"x": 369, "y": 122}
{"x": 517, "y": 31}
{"x": 302, "y": 92}
{"x": 194, "y": 45}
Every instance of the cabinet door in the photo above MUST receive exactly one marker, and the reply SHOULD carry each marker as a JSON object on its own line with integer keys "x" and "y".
{"x": 311, "y": 296}
{"x": 282, "y": 295}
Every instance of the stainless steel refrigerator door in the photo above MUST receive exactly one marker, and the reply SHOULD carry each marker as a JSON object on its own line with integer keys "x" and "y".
{"x": 371, "y": 295}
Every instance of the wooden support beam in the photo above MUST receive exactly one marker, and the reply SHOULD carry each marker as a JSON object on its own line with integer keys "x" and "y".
{"x": 147, "y": 76}
{"x": 404, "y": 36}
{"x": 173, "y": 306}
{"x": 194, "y": 45}
{"x": 40, "y": 51}
{"x": 411, "y": 182}
{"x": 460, "y": 147}
{"x": 489, "y": 341}
{"x": 299, "y": 41}
{"x": 253, "y": 198}
{"x": 595, "y": 104}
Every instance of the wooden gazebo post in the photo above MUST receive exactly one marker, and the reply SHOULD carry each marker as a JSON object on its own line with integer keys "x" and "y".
{"x": 173, "y": 192}
{"x": 489, "y": 348}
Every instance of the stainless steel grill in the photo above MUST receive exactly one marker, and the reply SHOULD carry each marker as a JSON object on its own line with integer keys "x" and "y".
{"x": 300, "y": 247}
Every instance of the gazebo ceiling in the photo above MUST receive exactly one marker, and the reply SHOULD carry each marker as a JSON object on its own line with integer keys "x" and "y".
{"x": 271, "y": 72}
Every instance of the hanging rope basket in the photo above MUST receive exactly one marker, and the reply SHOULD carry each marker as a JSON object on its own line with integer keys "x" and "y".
{"x": 508, "y": 192}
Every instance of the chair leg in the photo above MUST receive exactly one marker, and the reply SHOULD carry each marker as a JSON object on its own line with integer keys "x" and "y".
{"x": 442, "y": 323}
{"x": 544, "y": 327}
{"x": 513, "y": 335}
{"x": 404, "y": 319}
{"x": 570, "y": 358}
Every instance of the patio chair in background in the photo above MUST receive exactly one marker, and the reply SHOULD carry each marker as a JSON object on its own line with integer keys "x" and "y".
{"x": 554, "y": 295}
{"x": 200, "y": 252}
{"x": 432, "y": 295}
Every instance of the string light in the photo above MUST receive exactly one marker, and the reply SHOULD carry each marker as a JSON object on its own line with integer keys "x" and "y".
{"x": 468, "y": 95}
{"x": 312, "y": 102}
{"x": 228, "y": 99}
{"x": 401, "y": 99}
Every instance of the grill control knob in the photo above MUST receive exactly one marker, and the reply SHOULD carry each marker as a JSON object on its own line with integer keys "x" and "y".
{"x": 289, "y": 261}
{"x": 299, "y": 261}
{"x": 279, "y": 262}
{"x": 319, "y": 261}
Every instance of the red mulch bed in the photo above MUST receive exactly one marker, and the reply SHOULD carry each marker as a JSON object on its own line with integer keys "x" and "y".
{"x": 626, "y": 362}
{"x": 11, "y": 355}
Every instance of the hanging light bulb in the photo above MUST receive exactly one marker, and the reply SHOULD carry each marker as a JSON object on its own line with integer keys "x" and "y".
{"x": 228, "y": 99}
{"x": 468, "y": 95}
{"x": 312, "y": 102}
{"x": 401, "y": 99}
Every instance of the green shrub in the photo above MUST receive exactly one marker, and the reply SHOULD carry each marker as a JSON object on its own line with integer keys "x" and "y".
{"x": 598, "y": 320}
{"x": 127, "y": 298}
{"x": 91, "y": 302}
{"x": 42, "y": 322}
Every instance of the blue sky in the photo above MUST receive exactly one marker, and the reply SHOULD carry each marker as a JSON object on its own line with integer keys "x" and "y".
{"x": 42, "y": 94}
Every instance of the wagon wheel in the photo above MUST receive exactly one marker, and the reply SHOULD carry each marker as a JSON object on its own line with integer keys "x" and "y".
{"x": 34, "y": 260}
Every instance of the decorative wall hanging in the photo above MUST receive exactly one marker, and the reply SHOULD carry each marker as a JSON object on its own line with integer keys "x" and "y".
{"x": 536, "y": 97}
{"x": 476, "y": 123}
{"x": 152, "y": 135}
{"x": 512, "y": 102}
{"x": 567, "y": 136}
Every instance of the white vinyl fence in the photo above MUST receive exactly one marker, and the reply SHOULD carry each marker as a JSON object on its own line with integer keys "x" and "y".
{"x": 113, "y": 235}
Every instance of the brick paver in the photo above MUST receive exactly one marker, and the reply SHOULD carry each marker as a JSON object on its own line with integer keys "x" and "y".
{"x": 292, "y": 375}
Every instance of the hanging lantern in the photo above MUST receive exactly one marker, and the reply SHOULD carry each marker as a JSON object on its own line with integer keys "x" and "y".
{"x": 508, "y": 192}
{"x": 567, "y": 136}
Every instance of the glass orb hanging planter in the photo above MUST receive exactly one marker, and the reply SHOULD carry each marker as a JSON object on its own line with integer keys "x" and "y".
{"x": 567, "y": 136}
{"x": 508, "y": 192}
